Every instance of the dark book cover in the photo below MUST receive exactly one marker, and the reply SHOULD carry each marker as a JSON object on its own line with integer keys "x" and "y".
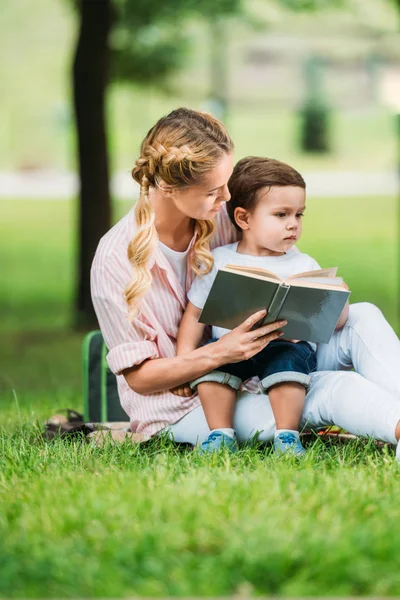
{"x": 311, "y": 312}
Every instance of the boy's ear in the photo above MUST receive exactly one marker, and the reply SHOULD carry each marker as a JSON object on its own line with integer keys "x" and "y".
{"x": 241, "y": 217}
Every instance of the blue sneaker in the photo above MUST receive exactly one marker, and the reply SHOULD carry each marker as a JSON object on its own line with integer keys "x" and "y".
{"x": 218, "y": 441}
{"x": 288, "y": 443}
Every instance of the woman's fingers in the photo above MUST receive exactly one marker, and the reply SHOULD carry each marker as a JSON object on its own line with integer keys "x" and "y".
{"x": 249, "y": 323}
{"x": 252, "y": 320}
{"x": 261, "y": 342}
{"x": 184, "y": 391}
{"x": 267, "y": 329}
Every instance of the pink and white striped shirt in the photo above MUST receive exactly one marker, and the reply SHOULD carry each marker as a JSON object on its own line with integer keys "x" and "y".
{"x": 153, "y": 331}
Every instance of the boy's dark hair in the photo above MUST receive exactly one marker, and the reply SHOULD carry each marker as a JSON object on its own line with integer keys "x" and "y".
{"x": 253, "y": 173}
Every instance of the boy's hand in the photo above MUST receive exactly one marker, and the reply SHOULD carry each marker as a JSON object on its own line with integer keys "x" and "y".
{"x": 184, "y": 391}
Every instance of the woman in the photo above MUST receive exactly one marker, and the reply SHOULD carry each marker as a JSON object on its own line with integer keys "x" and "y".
{"x": 146, "y": 262}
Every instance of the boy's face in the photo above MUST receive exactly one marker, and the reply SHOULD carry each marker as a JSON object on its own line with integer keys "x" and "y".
{"x": 276, "y": 223}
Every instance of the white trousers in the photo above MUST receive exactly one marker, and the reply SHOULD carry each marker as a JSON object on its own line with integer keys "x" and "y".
{"x": 365, "y": 402}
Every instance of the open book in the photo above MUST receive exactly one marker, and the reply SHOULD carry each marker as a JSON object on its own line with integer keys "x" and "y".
{"x": 310, "y": 302}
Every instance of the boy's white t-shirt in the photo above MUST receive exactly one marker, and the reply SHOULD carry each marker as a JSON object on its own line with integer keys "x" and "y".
{"x": 291, "y": 263}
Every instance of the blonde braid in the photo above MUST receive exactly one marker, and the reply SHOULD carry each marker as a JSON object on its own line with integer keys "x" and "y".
{"x": 201, "y": 259}
{"x": 141, "y": 248}
{"x": 178, "y": 151}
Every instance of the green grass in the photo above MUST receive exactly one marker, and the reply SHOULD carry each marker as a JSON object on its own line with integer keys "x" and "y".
{"x": 156, "y": 520}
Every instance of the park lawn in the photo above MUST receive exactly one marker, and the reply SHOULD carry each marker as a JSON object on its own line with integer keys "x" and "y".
{"x": 157, "y": 520}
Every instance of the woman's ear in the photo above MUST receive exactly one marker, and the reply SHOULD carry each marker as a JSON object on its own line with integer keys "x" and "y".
{"x": 241, "y": 217}
{"x": 167, "y": 190}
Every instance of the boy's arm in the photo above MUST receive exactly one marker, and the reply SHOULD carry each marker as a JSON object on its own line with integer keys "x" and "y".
{"x": 345, "y": 312}
{"x": 190, "y": 330}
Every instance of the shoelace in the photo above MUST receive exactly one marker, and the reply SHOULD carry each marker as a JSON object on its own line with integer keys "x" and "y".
{"x": 287, "y": 438}
{"x": 215, "y": 435}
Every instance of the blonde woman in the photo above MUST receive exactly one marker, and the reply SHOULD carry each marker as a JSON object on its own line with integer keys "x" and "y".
{"x": 143, "y": 268}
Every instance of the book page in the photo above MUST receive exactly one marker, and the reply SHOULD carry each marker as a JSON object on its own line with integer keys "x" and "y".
{"x": 327, "y": 280}
{"x": 254, "y": 271}
{"x": 317, "y": 286}
{"x": 330, "y": 272}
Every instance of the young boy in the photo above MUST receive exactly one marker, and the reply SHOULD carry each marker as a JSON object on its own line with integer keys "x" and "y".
{"x": 267, "y": 205}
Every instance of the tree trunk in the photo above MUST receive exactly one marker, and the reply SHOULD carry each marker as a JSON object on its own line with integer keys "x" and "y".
{"x": 90, "y": 73}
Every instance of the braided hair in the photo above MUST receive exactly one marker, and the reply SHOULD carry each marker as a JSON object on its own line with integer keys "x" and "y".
{"x": 178, "y": 150}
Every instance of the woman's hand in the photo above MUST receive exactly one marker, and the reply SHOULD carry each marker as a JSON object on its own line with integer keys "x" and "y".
{"x": 243, "y": 342}
{"x": 184, "y": 391}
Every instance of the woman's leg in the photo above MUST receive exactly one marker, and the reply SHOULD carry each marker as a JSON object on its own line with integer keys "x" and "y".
{"x": 344, "y": 399}
{"x": 353, "y": 403}
{"x": 191, "y": 429}
{"x": 368, "y": 343}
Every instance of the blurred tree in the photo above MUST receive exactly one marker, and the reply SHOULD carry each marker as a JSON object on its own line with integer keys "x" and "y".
{"x": 139, "y": 41}
{"x": 90, "y": 70}
{"x": 314, "y": 113}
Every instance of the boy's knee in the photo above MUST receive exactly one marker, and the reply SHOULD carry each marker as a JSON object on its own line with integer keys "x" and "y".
{"x": 217, "y": 377}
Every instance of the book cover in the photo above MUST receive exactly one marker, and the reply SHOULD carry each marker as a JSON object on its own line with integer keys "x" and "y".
{"x": 311, "y": 309}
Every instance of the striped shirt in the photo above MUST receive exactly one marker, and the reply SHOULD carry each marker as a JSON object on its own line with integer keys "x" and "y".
{"x": 154, "y": 329}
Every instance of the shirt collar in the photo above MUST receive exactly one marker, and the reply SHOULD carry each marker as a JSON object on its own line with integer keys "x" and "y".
{"x": 157, "y": 257}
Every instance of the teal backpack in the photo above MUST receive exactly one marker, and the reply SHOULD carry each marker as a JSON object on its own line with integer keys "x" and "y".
{"x": 100, "y": 394}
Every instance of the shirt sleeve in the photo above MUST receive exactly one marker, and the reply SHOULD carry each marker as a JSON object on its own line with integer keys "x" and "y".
{"x": 129, "y": 342}
{"x": 201, "y": 287}
{"x": 313, "y": 266}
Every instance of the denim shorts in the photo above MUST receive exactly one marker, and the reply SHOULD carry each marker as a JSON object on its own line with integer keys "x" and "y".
{"x": 279, "y": 362}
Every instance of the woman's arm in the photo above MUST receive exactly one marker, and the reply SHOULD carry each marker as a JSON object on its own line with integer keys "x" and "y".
{"x": 156, "y": 375}
{"x": 190, "y": 330}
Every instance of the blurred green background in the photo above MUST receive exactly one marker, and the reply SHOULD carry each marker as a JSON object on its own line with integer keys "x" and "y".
{"x": 259, "y": 65}
{"x": 311, "y": 82}
{"x": 264, "y": 51}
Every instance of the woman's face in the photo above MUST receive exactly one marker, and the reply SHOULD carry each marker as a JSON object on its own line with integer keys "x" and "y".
{"x": 205, "y": 200}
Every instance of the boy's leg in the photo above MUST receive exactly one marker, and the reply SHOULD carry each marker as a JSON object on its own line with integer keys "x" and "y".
{"x": 217, "y": 390}
{"x": 218, "y": 402}
{"x": 217, "y": 393}
{"x": 284, "y": 370}
{"x": 287, "y": 401}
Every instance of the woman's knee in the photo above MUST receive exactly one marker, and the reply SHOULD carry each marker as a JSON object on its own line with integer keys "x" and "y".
{"x": 330, "y": 394}
{"x": 253, "y": 417}
{"x": 365, "y": 311}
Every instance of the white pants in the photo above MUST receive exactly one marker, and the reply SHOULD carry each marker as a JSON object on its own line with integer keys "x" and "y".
{"x": 365, "y": 402}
